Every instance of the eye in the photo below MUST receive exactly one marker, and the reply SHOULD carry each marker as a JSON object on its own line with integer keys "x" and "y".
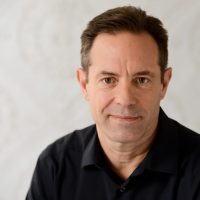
{"x": 108, "y": 80}
{"x": 142, "y": 80}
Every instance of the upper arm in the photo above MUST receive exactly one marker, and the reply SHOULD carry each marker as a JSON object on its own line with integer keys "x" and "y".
{"x": 43, "y": 181}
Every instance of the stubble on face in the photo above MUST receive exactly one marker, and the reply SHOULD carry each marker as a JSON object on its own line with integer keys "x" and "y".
{"x": 118, "y": 122}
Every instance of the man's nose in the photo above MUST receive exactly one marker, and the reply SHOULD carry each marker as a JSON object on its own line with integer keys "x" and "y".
{"x": 125, "y": 94}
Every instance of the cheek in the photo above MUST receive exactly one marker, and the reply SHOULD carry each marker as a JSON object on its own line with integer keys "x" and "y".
{"x": 150, "y": 100}
{"x": 101, "y": 100}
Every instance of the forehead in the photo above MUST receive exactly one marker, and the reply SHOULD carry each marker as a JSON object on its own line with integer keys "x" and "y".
{"x": 124, "y": 48}
{"x": 142, "y": 38}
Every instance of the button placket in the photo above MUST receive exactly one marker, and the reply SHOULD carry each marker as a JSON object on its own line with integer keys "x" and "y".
{"x": 122, "y": 189}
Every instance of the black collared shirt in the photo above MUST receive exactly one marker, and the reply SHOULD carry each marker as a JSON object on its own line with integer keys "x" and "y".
{"x": 74, "y": 168}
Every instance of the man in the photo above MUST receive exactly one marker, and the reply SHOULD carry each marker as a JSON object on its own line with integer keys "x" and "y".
{"x": 134, "y": 151}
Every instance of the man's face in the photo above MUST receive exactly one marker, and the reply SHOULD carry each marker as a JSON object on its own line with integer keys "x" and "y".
{"x": 124, "y": 86}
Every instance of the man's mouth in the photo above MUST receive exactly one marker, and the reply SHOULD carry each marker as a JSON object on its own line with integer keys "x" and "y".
{"x": 125, "y": 118}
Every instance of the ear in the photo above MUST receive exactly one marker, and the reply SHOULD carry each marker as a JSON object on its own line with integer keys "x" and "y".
{"x": 166, "y": 79}
{"x": 81, "y": 76}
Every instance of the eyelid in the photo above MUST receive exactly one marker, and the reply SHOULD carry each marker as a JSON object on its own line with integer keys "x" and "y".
{"x": 143, "y": 76}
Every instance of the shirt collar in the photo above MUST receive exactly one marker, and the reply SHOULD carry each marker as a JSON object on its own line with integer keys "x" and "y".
{"x": 162, "y": 157}
{"x": 93, "y": 153}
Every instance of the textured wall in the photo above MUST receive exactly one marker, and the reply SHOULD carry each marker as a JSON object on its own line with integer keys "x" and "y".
{"x": 39, "y": 97}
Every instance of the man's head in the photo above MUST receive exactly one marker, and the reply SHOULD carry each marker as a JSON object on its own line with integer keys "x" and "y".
{"x": 121, "y": 74}
{"x": 120, "y": 19}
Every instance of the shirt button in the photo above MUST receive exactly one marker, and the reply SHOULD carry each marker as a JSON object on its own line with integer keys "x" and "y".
{"x": 122, "y": 189}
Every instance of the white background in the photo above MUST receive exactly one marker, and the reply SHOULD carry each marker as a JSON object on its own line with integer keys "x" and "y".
{"x": 40, "y": 99}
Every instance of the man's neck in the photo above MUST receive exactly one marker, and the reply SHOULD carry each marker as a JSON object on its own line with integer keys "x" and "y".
{"x": 125, "y": 158}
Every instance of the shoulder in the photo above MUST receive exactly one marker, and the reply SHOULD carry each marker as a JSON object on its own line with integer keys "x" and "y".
{"x": 188, "y": 142}
{"x": 74, "y": 141}
{"x": 187, "y": 137}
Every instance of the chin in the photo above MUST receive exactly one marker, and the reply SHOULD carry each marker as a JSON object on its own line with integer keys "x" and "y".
{"x": 123, "y": 136}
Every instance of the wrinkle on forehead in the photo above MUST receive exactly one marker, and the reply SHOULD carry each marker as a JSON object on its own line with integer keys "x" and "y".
{"x": 124, "y": 51}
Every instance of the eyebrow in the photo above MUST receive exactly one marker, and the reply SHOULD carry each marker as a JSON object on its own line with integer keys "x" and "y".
{"x": 140, "y": 73}
{"x": 145, "y": 72}
{"x": 107, "y": 73}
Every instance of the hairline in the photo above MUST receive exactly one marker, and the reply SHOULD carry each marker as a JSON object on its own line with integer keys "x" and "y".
{"x": 115, "y": 32}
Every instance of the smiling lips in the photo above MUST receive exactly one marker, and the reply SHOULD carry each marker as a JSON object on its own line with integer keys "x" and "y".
{"x": 125, "y": 118}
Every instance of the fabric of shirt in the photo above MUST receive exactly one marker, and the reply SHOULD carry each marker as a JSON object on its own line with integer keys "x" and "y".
{"x": 75, "y": 168}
